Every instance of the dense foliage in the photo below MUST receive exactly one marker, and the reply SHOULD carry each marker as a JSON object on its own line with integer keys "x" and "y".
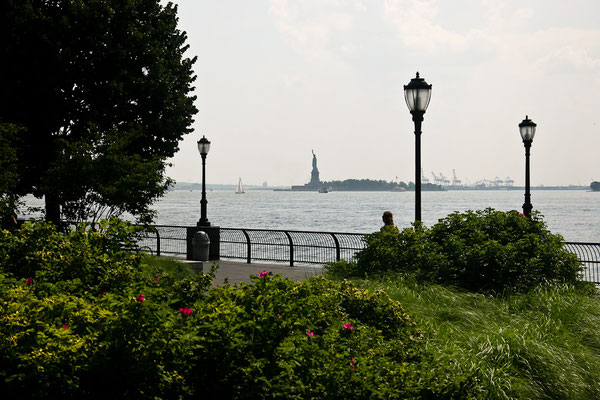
{"x": 376, "y": 185}
{"x": 103, "y": 92}
{"x": 485, "y": 250}
{"x": 8, "y": 175}
{"x": 81, "y": 318}
{"x": 363, "y": 185}
{"x": 595, "y": 186}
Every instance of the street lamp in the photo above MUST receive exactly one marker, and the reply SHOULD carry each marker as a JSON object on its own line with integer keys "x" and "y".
{"x": 527, "y": 129}
{"x": 203, "y": 148}
{"x": 417, "y": 94}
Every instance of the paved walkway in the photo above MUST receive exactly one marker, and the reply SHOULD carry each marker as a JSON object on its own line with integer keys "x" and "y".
{"x": 240, "y": 272}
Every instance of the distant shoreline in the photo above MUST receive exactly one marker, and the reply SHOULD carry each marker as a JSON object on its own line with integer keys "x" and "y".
{"x": 197, "y": 186}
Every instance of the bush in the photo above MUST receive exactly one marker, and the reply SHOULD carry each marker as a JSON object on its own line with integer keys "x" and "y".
{"x": 485, "y": 250}
{"x": 315, "y": 339}
{"x": 153, "y": 334}
{"x": 84, "y": 259}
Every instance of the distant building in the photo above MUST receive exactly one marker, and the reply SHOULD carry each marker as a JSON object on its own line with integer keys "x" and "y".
{"x": 315, "y": 182}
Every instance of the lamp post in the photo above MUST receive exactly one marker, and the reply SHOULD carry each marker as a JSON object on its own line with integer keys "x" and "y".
{"x": 527, "y": 129}
{"x": 203, "y": 148}
{"x": 417, "y": 94}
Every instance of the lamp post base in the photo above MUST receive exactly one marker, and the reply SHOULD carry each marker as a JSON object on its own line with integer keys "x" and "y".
{"x": 213, "y": 232}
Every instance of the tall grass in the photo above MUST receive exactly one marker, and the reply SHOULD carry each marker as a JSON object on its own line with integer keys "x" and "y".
{"x": 542, "y": 344}
{"x": 153, "y": 266}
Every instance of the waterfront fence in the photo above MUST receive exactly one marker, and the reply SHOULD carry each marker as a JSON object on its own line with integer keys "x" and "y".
{"x": 291, "y": 247}
{"x": 589, "y": 255}
{"x": 304, "y": 247}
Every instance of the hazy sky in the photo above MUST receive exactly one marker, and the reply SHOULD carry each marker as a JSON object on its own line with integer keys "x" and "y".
{"x": 277, "y": 79}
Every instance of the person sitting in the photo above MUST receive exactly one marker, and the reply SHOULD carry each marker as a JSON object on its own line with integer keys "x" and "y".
{"x": 388, "y": 223}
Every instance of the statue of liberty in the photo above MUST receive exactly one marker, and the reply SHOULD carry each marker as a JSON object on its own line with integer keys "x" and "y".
{"x": 314, "y": 175}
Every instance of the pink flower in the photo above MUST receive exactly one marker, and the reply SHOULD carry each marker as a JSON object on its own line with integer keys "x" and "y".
{"x": 348, "y": 326}
{"x": 522, "y": 215}
{"x": 141, "y": 298}
{"x": 29, "y": 281}
{"x": 278, "y": 316}
{"x": 263, "y": 274}
{"x": 156, "y": 281}
{"x": 186, "y": 311}
{"x": 310, "y": 333}
{"x": 65, "y": 326}
{"x": 352, "y": 364}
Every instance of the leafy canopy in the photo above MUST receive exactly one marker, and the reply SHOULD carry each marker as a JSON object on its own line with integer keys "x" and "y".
{"x": 103, "y": 91}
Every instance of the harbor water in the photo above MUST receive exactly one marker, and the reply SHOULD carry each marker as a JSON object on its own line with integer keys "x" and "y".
{"x": 575, "y": 214}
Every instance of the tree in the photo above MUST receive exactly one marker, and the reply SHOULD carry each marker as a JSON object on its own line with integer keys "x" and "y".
{"x": 8, "y": 174}
{"x": 595, "y": 186}
{"x": 103, "y": 91}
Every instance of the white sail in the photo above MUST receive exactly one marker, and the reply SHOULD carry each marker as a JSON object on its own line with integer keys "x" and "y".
{"x": 240, "y": 187}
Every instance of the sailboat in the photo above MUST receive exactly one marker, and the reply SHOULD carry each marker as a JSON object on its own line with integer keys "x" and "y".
{"x": 240, "y": 188}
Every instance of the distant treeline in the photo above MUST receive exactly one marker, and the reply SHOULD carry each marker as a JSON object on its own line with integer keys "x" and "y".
{"x": 375, "y": 185}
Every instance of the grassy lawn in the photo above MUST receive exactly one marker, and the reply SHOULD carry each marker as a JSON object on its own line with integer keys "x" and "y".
{"x": 542, "y": 344}
{"x": 153, "y": 266}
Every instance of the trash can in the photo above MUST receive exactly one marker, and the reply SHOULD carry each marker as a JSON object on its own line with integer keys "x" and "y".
{"x": 200, "y": 246}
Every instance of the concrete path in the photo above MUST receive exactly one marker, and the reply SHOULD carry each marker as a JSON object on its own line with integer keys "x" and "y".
{"x": 240, "y": 272}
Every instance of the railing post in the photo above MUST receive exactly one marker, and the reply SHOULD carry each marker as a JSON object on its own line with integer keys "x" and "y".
{"x": 157, "y": 242}
{"x": 291, "y": 248}
{"x": 249, "y": 249}
{"x": 337, "y": 247}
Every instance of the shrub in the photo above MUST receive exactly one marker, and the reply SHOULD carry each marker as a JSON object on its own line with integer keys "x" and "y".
{"x": 486, "y": 250}
{"x": 315, "y": 339}
{"x": 86, "y": 260}
{"x": 154, "y": 335}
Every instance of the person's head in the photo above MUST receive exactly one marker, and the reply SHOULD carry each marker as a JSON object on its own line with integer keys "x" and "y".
{"x": 388, "y": 218}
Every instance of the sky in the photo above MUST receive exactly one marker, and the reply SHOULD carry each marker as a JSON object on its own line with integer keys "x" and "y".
{"x": 277, "y": 79}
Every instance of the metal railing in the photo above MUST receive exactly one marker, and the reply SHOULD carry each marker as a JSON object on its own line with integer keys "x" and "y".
{"x": 165, "y": 240}
{"x": 291, "y": 247}
{"x": 589, "y": 255}
{"x": 305, "y": 247}
{"x": 280, "y": 246}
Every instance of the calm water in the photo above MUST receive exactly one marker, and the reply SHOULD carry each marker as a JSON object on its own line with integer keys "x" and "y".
{"x": 573, "y": 213}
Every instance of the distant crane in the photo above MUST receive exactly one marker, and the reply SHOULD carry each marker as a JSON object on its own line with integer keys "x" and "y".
{"x": 436, "y": 179}
{"x": 423, "y": 179}
{"x": 455, "y": 180}
{"x": 498, "y": 181}
{"x": 445, "y": 181}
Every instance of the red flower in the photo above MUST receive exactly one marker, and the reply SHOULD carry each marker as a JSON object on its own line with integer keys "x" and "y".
{"x": 310, "y": 333}
{"x": 141, "y": 298}
{"x": 352, "y": 364}
{"x": 29, "y": 281}
{"x": 263, "y": 274}
{"x": 348, "y": 326}
{"x": 156, "y": 281}
{"x": 65, "y": 326}
{"x": 186, "y": 311}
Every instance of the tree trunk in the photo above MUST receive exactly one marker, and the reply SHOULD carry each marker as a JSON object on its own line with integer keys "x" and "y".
{"x": 52, "y": 209}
